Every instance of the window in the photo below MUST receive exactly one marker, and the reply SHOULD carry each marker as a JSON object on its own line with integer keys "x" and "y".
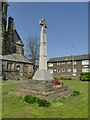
{"x": 51, "y": 71}
{"x": 85, "y": 62}
{"x": 13, "y": 66}
{"x": 58, "y": 70}
{"x": 68, "y": 70}
{"x": 63, "y": 70}
{"x": 9, "y": 66}
{"x": 55, "y": 69}
{"x": 18, "y": 67}
{"x": 63, "y": 62}
{"x": 75, "y": 62}
{"x": 85, "y": 66}
{"x": 69, "y": 62}
{"x": 74, "y": 70}
{"x": 50, "y": 64}
{"x": 58, "y": 63}
{"x": 85, "y": 69}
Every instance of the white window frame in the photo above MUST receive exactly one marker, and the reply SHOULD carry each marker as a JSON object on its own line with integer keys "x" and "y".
{"x": 85, "y": 69}
{"x": 55, "y": 69}
{"x": 62, "y": 63}
{"x": 51, "y": 71}
{"x": 68, "y": 70}
{"x": 75, "y": 62}
{"x": 74, "y": 70}
{"x": 85, "y": 62}
{"x": 58, "y": 63}
{"x": 50, "y": 64}
{"x": 68, "y": 62}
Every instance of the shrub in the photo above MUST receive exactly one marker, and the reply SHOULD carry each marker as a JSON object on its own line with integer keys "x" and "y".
{"x": 29, "y": 99}
{"x": 63, "y": 78}
{"x": 36, "y": 100}
{"x": 76, "y": 93}
{"x": 85, "y": 76}
{"x": 43, "y": 103}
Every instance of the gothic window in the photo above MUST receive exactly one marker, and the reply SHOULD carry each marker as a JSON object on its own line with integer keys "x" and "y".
{"x": 63, "y": 70}
{"x": 17, "y": 67}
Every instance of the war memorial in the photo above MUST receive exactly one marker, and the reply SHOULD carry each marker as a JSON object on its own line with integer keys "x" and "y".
{"x": 42, "y": 84}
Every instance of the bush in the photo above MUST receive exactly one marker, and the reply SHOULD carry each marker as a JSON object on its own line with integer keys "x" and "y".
{"x": 63, "y": 78}
{"x": 36, "y": 100}
{"x": 76, "y": 93}
{"x": 43, "y": 103}
{"x": 29, "y": 99}
{"x": 85, "y": 76}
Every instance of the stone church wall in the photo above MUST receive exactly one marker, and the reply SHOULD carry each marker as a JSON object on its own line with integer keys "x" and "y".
{"x": 17, "y": 71}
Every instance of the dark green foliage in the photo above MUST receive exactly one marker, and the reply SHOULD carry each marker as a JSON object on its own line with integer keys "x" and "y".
{"x": 29, "y": 99}
{"x": 36, "y": 100}
{"x": 76, "y": 93}
{"x": 85, "y": 76}
{"x": 43, "y": 103}
{"x": 63, "y": 78}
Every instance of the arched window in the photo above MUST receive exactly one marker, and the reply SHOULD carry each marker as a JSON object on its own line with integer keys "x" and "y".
{"x": 18, "y": 68}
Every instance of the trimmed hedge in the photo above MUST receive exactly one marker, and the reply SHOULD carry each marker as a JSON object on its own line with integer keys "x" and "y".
{"x": 36, "y": 100}
{"x": 63, "y": 78}
{"x": 85, "y": 76}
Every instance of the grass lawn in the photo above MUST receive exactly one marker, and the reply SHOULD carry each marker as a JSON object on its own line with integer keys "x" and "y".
{"x": 70, "y": 107}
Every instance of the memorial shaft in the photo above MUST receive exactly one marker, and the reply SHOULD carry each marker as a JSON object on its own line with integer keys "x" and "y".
{"x": 42, "y": 73}
{"x": 43, "y": 49}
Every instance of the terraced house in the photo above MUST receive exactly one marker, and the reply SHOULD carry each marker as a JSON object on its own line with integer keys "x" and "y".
{"x": 14, "y": 64}
{"x": 69, "y": 66}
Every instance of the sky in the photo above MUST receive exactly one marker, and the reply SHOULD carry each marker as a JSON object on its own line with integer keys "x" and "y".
{"x": 67, "y": 25}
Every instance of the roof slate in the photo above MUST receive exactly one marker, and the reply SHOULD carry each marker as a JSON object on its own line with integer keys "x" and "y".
{"x": 16, "y": 57}
{"x": 69, "y": 58}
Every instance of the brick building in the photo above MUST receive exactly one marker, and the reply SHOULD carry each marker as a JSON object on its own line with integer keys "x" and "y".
{"x": 69, "y": 66}
{"x": 14, "y": 64}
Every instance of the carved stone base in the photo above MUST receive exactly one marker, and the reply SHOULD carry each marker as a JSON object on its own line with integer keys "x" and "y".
{"x": 42, "y": 75}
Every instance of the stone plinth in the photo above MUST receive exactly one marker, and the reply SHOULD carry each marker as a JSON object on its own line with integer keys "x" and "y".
{"x": 42, "y": 88}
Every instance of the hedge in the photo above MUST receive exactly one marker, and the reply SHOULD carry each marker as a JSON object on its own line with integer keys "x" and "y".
{"x": 85, "y": 76}
{"x": 36, "y": 100}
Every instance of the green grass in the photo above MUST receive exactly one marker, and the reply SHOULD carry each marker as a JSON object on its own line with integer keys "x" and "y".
{"x": 69, "y": 107}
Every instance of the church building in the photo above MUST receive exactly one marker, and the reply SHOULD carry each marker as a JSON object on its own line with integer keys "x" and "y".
{"x": 14, "y": 64}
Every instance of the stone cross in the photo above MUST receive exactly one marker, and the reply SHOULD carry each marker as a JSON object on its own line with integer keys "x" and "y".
{"x": 42, "y": 22}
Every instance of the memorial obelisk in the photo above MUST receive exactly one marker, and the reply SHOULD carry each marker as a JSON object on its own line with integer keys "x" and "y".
{"x": 43, "y": 73}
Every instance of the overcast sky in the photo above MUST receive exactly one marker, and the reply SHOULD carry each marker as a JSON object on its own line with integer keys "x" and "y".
{"x": 67, "y": 25}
